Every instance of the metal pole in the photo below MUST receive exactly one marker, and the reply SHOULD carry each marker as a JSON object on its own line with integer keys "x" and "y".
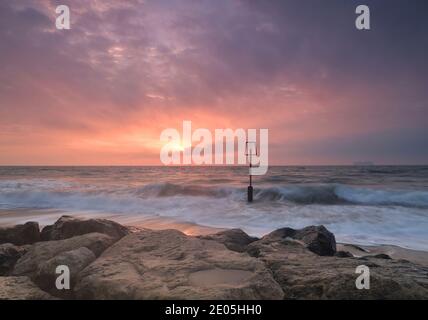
{"x": 250, "y": 187}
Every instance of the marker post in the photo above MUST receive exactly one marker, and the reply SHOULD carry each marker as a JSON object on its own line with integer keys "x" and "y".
{"x": 249, "y": 155}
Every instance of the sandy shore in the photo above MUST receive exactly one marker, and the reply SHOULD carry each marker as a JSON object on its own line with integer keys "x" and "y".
{"x": 47, "y": 217}
{"x": 395, "y": 252}
{"x": 13, "y": 217}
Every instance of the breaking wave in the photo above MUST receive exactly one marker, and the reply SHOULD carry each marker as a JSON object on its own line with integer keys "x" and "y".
{"x": 47, "y": 194}
{"x": 340, "y": 194}
{"x": 306, "y": 194}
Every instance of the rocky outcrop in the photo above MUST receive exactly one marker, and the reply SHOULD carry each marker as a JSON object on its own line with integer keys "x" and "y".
{"x": 68, "y": 227}
{"x": 233, "y": 239}
{"x": 9, "y": 254}
{"x": 316, "y": 238}
{"x": 167, "y": 264}
{"x": 39, "y": 253}
{"x": 21, "y": 288}
{"x": 21, "y": 234}
{"x": 303, "y": 274}
{"x": 170, "y": 265}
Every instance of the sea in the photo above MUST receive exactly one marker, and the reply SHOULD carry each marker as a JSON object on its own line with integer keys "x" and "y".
{"x": 366, "y": 205}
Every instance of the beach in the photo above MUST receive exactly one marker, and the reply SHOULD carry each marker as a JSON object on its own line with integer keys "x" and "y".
{"x": 189, "y": 233}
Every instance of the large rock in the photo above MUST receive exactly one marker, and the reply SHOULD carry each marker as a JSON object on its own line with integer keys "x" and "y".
{"x": 76, "y": 260}
{"x": 233, "y": 239}
{"x": 21, "y": 234}
{"x": 168, "y": 264}
{"x": 303, "y": 274}
{"x": 67, "y": 227}
{"x": 9, "y": 254}
{"x": 41, "y": 252}
{"x": 21, "y": 288}
{"x": 316, "y": 238}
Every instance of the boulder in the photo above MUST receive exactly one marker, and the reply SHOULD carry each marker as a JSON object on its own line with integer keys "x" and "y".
{"x": 21, "y": 288}
{"x": 21, "y": 234}
{"x": 303, "y": 274}
{"x": 76, "y": 260}
{"x": 316, "y": 238}
{"x": 41, "y": 252}
{"x": 168, "y": 264}
{"x": 233, "y": 239}
{"x": 68, "y": 227}
{"x": 9, "y": 254}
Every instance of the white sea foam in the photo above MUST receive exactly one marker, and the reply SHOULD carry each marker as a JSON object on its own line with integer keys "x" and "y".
{"x": 374, "y": 213}
{"x": 46, "y": 193}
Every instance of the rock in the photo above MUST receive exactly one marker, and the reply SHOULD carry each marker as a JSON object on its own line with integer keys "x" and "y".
{"x": 303, "y": 274}
{"x": 233, "y": 239}
{"x": 41, "y": 252}
{"x": 316, "y": 238}
{"x": 75, "y": 260}
{"x": 21, "y": 234}
{"x": 67, "y": 227}
{"x": 382, "y": 256}
{"x": 9, "y": 254}
{"x": 21, "y": 288}
{"x": 343, "y": 254}
{"x": 168, "y": 264}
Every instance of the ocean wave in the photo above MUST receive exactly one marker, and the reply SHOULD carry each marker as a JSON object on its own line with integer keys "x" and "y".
{"x": 171, "y": 189}
{"x": 341, "y": 194}
{"x": 370, "y": 196}
{"x": 47, "y": 193}
{"x": 300, "y": 194}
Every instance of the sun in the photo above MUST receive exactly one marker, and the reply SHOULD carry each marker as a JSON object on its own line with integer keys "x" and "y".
{"x": 177, "y": 147}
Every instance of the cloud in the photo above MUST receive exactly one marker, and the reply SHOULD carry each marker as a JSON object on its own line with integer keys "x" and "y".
{"x": 299, "y": 68}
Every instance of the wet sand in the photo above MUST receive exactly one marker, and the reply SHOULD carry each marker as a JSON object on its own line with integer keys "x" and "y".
{"x": 395, "y": 252}
{"x": 47, "y": 217}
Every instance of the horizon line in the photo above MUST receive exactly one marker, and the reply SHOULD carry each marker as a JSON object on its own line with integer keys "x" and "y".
{"x": 220, "y": 166}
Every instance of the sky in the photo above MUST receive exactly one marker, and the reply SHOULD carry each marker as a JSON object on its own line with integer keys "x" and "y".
{"x": 102, "y": 92}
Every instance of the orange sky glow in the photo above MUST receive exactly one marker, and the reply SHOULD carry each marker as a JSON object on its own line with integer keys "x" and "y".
{"x": 102, "y": 92}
